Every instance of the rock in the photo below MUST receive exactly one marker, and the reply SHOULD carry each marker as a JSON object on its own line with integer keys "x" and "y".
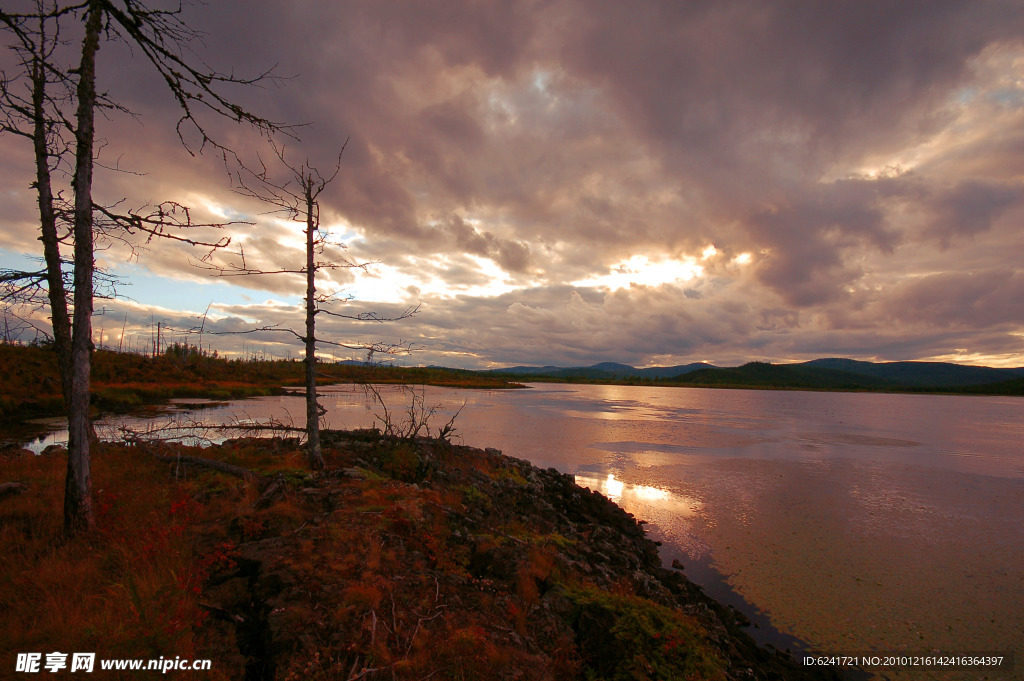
{"x": 677, "y": 565}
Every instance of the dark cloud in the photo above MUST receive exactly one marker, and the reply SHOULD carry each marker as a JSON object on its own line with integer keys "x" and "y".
{"x": 964, "y": 299}
{"x": 804, "y": 242}
{"x": 856, "y": 165}
{"x": 463, "y": 237}
{"x": 730, "y": 88}
{"x": 971, "y": 207}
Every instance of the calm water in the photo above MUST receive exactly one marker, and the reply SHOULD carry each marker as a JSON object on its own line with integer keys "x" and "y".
{"x": 854, "y": 522}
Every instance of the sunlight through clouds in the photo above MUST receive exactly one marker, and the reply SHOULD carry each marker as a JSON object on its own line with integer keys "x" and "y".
{"x": 743, "y": 259}
{"x": 390, "y": 284}
{"x": 640, "y": 270}
{"x": 570, "y": 182}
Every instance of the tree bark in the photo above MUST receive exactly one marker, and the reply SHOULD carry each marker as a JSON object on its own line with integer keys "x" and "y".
{"x": 78, "y": 509}
{"x": 56, "y": 292}
{"x": 314, "y": 455}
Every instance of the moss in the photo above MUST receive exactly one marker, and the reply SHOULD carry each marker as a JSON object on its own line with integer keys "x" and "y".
{"x": 117, "y": 399}
{"x": 510, "y": 474}
{"x": 624, "y": 637}
{"x": 297, "y": 477}
{"x": 399, "y": 460}
{"x": 471, "y": 496}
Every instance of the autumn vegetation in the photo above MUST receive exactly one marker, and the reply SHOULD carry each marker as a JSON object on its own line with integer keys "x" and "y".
{"x": 403, "y": 559}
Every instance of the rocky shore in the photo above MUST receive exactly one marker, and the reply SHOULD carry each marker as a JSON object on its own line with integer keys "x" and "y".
{"x": 416, "y": 560}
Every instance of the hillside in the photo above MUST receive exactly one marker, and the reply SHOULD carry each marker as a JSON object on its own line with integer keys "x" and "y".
{"x": 764, "y": 375}
{"x": 819, "y": 374}
{"x": 602, "y": 370}
{"x": 921, "y": 374}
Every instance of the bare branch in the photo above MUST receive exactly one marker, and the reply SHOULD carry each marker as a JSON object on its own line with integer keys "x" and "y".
{"x": 373, "y": 316}
{"x": 159, "y": 219}
{"x": 161, "y": 36}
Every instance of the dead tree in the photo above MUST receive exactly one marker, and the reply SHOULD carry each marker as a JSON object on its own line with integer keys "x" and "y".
{"x": 34, "y": 105}
{"x": 39, "y": 116}
{"x": 159, "y": 35}
{"x": 299, "y": 200}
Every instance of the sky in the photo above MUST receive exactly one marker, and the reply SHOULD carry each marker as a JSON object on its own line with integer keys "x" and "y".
{"x": 566, "y": 182}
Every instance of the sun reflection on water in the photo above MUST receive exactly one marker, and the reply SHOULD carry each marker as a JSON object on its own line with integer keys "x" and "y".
{"x": 650, "y": 502}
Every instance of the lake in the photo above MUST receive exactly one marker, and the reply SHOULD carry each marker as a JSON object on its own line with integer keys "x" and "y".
{"x": 850, "y": 521}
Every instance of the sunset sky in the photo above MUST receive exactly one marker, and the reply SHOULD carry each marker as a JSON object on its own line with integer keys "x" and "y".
{"x": 568, "y": 182}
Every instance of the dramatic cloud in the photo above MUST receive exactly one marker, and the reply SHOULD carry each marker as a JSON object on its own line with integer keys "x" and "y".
{"x": 567, "y": 182}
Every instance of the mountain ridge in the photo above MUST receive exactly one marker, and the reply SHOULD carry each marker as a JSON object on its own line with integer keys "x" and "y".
{"x": 832, "y": 373}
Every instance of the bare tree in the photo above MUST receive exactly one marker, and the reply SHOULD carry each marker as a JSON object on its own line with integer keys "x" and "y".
{"x": 160, "y": 35}
{"x": 39, "y": 116}
{"x": 38, "y": 111}
{"x": 299, "y": 200}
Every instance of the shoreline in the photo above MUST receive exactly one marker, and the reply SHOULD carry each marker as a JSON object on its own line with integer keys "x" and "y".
{"x": 713, "y": 583}
{"x": 541, "y": 544}
{"x": 409, "y": 558}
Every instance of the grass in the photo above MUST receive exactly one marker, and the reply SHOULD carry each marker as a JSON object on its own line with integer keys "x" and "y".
{"x": 417, "y": 566}
{"x": 659, "y": 642}
{"x": 129, "y": 589}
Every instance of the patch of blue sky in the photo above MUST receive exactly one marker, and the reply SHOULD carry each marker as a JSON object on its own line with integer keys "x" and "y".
{"x": 343, "y": 234}
{"x": 1012, "y": 98}
{"x": 145, "y": 288}
{"x": 23, "y": 262}
{"x": 192, "y": 295}
{"x": 966, "y": 95}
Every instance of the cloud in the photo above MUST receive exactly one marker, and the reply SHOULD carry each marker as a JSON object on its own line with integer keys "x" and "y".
{"x": 856, "y": 166}
{"x": 971, "y": 207}
{"x": 989, "y": 299}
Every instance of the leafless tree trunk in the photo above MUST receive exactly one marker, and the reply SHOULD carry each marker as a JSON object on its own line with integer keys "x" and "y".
{"x": 78, "y": 510}
{"x": 302, "y": 204}
{"x": 59, "y": 318}
{"x": 38, "y": 118}
{"x": 314, "y": 455}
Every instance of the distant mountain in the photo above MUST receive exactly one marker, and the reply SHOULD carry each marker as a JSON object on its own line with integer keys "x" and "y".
{"x": 678, "y": 370}
{"x": 602, "y": 370}
{"x": 536, "y": 371}
{"x": 764, "y": 375}
{"x": 614, "y": 368}
{"x": 921, "y": 374}
{"x": 819, "y": 374}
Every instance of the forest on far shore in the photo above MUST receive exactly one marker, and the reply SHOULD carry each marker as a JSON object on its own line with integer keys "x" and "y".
{"x": 122, "y": 381}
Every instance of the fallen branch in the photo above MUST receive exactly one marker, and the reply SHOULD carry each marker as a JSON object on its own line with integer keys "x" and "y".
{"x": 9, "y": 488}
{"x": 221, "y": 613}
{"x": 230, "y": 469}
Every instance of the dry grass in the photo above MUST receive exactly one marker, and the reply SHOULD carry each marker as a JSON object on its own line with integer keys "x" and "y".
{"x": 374, "y": 573}
{"x": 128, "y": 589}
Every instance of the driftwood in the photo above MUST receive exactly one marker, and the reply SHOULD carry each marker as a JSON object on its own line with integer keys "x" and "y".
{"x": 228, "y": 468}
{"x": 8, "y": 488}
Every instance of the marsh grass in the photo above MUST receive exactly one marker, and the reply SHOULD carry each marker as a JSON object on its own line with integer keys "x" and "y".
{"x": 389, "y": 578}
{"x": 128, "y": 589}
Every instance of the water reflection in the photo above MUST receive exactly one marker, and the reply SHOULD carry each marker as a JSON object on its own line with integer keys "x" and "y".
{"x": 641, "y": 500}
{"x": 872, "y": 520}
